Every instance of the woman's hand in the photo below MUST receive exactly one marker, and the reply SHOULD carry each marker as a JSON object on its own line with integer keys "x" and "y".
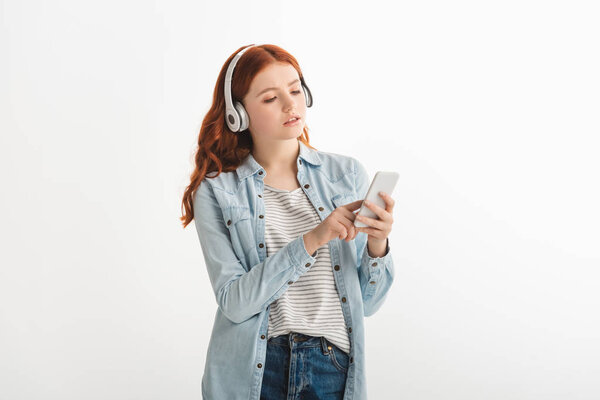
{"x": 378, "y": 229}
{"x": 338, "y": 224}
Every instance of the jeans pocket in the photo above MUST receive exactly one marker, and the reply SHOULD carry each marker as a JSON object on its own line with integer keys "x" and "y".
{"x": 338, "y": 358}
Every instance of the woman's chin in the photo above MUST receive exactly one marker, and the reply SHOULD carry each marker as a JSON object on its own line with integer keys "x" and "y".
{"x": 294, "y": 131}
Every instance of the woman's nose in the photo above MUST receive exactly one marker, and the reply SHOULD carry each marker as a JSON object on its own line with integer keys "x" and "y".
{"x": 289, "y": 102}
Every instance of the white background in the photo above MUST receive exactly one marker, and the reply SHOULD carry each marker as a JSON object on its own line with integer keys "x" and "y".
{"x": 488, "y": 110}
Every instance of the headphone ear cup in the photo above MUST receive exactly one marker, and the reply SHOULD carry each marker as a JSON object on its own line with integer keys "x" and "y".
{"x": 307, "y": 95}
{"x": 232, "y": 119}
{"x": 244, "y": 120}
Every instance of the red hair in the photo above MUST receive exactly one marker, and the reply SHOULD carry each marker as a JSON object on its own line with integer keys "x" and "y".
{"x": 219, "y": 149}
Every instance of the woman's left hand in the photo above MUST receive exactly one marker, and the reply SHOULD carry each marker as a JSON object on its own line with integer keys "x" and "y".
{"x": 378, "y": 229}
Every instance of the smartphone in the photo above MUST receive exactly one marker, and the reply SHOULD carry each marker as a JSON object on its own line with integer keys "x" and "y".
{"x": 383, "y": 181}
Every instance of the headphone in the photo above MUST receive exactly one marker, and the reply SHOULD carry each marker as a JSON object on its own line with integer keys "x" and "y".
{"x": 236, "y": 115}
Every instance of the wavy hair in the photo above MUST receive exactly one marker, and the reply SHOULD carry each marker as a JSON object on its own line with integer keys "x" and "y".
{"x": 219, "y": 149}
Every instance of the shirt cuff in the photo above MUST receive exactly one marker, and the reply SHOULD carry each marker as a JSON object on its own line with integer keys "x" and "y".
{"x": 299, "y": 255}
{"x": 375, "y": 262}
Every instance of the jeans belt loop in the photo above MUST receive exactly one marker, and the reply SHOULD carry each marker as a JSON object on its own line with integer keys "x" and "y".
{"x": 324, "y": 345}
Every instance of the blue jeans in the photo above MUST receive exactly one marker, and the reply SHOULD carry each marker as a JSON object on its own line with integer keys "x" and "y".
{"x": 304, "y": 367}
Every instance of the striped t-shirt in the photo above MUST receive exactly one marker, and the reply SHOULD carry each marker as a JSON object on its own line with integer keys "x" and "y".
{"x": 311, "y": 305}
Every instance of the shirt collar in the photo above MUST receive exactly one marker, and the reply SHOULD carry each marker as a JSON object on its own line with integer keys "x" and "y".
{"x": 250, "y": 166}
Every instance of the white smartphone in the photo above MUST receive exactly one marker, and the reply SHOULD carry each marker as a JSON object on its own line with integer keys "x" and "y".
{"x": 383, "y": 181}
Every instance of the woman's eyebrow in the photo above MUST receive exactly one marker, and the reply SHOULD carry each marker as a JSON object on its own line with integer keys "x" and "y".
{"x": 267, "y": 89}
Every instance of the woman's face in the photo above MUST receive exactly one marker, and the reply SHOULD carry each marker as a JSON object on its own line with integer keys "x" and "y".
{"x": 274, "y": 96}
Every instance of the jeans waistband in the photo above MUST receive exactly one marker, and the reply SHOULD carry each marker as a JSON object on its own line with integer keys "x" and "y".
{"x": 300, "y": 340}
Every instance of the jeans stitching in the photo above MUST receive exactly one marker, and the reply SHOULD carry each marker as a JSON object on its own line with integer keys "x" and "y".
{"x": 334, "y": 358}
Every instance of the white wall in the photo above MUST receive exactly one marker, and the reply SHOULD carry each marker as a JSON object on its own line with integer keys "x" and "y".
{"x": 488, "y": 110}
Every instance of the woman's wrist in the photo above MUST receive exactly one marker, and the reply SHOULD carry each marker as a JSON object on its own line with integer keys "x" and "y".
{"x": 377, "y": 247}
{"x": 311, "y": 243}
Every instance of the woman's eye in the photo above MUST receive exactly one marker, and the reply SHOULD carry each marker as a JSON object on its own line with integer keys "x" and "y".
{"x": 273, "y": 98}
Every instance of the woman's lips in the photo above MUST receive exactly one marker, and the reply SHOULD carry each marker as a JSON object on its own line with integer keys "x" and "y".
{"x": 295, "y": 122}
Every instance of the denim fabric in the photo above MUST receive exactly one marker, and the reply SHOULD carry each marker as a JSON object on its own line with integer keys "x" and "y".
{"x": 229, "y": 217}
{"x": 304, "y": 367}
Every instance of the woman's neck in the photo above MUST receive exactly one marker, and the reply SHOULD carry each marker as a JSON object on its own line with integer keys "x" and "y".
{"x": 277, "y": 156}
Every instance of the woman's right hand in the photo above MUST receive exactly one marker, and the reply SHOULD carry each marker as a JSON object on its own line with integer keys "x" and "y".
{"x": 338, "y": 224}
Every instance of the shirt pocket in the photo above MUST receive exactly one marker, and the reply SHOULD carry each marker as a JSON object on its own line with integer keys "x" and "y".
{"x": 341, "y": 199}
{"x": 238, "y": 221}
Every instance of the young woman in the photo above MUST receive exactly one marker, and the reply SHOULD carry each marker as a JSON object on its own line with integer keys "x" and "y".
{"x": 292, "y": 276}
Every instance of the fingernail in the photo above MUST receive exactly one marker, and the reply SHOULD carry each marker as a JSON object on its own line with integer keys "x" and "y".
{"x": 367, "y": 202}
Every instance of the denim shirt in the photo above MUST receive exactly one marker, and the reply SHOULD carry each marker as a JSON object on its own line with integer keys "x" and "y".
{"x": 229, "y": 216}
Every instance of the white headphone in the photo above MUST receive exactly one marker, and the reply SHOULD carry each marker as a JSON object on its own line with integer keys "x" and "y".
{"x": 236, "y": 116}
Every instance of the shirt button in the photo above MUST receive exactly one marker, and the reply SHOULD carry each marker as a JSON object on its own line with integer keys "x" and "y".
{"x": 321, "y": 208}
{"x": 229, "y": 222}
{"x": 299, "y": 161}
{"x": 337, "y": 267}
{"x": 290, "y": 282}
{"x": 261, "y": 216}
{"x": 261, "y": 245}
{"x": 260, "y": 172}
{"x": 343, "y": 299}
{"x": 351, "y": 360}
{"x": 306, "y": 186}
{"x": 350, "y": 329}
{"x": 259, "y": 365}
{"x": 307, "y": 265}
{"x": 262, "y": 336}
{"x": 260, "y": 195}
{"x": 374, "y": 264}
{"x": 372, "y": 282}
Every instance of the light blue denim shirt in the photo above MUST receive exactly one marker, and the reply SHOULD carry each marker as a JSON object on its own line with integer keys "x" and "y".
{"x": 229, "y": 215}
